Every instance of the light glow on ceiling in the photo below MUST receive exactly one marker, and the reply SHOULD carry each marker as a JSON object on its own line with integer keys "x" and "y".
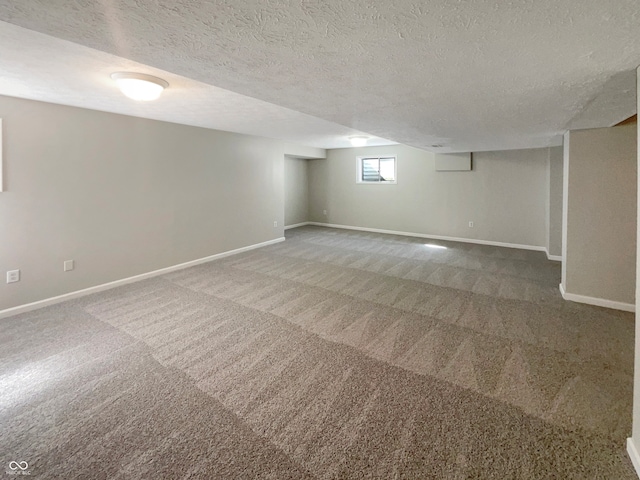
{"x": 358, "y": 140}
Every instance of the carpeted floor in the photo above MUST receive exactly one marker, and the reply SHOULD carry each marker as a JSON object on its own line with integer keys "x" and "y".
{"x": 336, "y": 354}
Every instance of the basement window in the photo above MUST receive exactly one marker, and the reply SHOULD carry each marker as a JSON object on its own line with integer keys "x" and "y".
{"x": 376, "y": 170}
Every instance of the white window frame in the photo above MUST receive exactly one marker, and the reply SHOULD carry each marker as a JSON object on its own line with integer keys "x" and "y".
{"x": 383, "y": 182}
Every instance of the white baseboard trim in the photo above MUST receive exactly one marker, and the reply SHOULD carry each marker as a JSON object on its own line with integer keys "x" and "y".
{"x": 598, "y": 302}
{"x": 287, "y": 227}
{"x": 433, "y": 237}
{"x": 136, "y": 278}
{"x": 555, "y": 258}
{"x": 633, "y": 455}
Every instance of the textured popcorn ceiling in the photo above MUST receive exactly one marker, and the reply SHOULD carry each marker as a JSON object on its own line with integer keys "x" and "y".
{"x": 471, "y": 75}
{"x": 39, "y": 67}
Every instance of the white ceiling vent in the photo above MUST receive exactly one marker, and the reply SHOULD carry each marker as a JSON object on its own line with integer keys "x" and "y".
{"x": 453, "y": 162}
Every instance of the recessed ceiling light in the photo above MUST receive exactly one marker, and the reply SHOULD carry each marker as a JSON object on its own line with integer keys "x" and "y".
{"x": 139, "y": 86}
{"x": 431, "y": 245}
{"x": 358, "y": 140}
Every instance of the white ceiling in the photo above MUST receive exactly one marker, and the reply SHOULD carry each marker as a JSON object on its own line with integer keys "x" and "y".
{"x": 40, "y": 67}
{"x": 470, "y": 75}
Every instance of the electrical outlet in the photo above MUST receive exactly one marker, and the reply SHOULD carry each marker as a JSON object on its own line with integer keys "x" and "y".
{"x": 68, "y": 265}
{"x": 324, "y": 212}
{"x": 13, "y": 276}
{"x": 470, "y": 224}
{"x": 275, "y": 224}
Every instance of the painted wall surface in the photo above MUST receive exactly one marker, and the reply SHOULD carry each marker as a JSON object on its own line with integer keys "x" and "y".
{"x": 565, "y": 205}
{"x": 296, "y": 191}
{"x": 555, "y": 200}
{"x": 123, "y": 196}
{"x": 600, "y": 253}
{"x": 634, "y": 443}
{"x": 504, "y": 195}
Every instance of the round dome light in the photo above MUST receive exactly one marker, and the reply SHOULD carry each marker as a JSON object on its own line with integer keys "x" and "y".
{"x": 139, "y": 86}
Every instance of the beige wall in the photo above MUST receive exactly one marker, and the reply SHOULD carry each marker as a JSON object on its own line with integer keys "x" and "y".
{"x": 504, "y": 195}
{"x": 124, "y": 196}
{"x": 296, "y": 191}
{"x": 565, "y": 202}
{"x": 601, "y": 211}
{"x": 634, "y": 443}
{"x": 555, "y": 201}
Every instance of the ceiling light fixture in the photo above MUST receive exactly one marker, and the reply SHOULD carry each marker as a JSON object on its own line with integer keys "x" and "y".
{"x": 139, "y": 86}
{"x": 358, "y": 140}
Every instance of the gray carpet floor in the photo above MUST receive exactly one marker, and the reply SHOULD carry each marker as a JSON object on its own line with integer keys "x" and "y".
{"x": 336, "y": 354}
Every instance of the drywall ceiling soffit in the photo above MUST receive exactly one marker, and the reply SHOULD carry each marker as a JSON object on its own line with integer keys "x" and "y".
{"x": 474, "y": 76}
{"x": 39, "y": 67}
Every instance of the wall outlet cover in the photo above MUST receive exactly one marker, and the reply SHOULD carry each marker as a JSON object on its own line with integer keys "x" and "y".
{"x": 13, "y": 276}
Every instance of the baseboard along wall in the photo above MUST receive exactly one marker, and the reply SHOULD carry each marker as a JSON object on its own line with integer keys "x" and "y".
{"x": 633, "y": 455}
{"x": 598, "y": 302}
{"x": 289, "y": 227}
{"x": 99, "y": 288}
{"x": 136, "y": 278}
{"x": 555, "y": 258}
{"x": 432, "y": 237}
